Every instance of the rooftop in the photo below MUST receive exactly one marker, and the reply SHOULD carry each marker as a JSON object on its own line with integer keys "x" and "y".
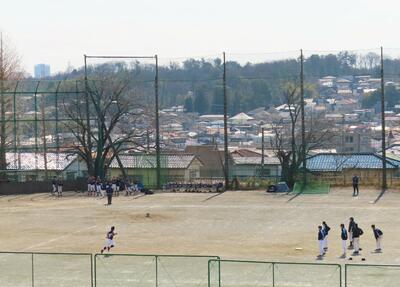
{"x": 339, "y": 162}
{"x": 173, "y": 161}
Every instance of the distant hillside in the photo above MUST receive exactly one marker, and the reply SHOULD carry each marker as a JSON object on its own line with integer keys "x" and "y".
{"x": 197, "y": 84}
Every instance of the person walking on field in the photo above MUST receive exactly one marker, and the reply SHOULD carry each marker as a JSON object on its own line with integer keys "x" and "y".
{"x": 320, "y": 242}
{"x": 109, "y": 191}
{"x": 356, "y": 181}
{"x": 357, "y": 232}
{"x": 378, "y": 234}
{"x": 343, "y": 236}
{"x": 350, "y": 230}
{"x": 109, "y": 240}
{"x": 325, "y": 229}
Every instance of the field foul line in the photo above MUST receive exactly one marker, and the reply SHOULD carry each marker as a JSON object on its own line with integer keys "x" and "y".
{"x": 58, "y": 238}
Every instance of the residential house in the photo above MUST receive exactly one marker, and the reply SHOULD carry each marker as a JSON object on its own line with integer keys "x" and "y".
{"x": 247, "y": 163}
{"x": 212, "y": 160}
{"x": 339, "y": 169}
{"x": 143, "y": 168}
{"x": 30, "y": 166}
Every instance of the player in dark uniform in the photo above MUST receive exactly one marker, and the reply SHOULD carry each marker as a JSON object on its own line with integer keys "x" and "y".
{"x": 109, "y": 240}
{"x": 109, "y": 191}
{"x": 54, "y": 185}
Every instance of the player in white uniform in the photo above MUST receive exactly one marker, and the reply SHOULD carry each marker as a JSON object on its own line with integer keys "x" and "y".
{"x": 109, "y": 240}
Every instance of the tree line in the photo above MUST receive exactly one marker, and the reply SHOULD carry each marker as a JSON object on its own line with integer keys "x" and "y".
{"x": 197, "y": 84}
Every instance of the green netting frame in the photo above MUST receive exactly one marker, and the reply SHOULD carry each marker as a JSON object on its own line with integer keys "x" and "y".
{"x": 151, "y": 270}
{"x": 46, "y": 269}
{"x": 369, "y": 275}
{"x": 240, "y": 273}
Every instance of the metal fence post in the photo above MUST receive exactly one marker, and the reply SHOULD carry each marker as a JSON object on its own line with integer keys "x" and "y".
{"x": 33, "y": 273}
{"x": 156, "y": 270}
{"x": 273, "y": 274}
{"x": 209, "y": 272}
{"x": 95, "y": 270}
{"x": 345, "y": 275}
{"x": 219, "y": 273}
{"x": 91, "y": 270}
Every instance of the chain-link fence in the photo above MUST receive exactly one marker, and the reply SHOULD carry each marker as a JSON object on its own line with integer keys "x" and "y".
{"x": 46, "y": 269}
{"x": 82, "y": 269}
{"x": 367, "y": 275}
{"x": 236, "y": 273}
{"x": 151, "y": 270}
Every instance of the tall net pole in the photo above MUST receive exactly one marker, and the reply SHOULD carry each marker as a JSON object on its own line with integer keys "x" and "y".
{"x": 262, "y": 152}
{"x": 226, "y": 152}
{"x": 158, "y": 163}
{"x": 384, "y": 180}
{"x": 303, "y": 126}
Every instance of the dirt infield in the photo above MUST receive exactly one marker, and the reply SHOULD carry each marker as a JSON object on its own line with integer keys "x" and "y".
{"x": 240, "y": 225}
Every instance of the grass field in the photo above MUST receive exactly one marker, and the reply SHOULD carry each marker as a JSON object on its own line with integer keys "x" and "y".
{"x": 247, "y": 225}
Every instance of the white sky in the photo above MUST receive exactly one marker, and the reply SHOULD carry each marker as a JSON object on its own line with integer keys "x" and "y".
{"x": 61, "y": 31}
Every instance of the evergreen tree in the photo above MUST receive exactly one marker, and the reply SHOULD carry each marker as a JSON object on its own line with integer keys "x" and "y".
{"x": 201, "y": 104}
{"x": 189, "y": 104}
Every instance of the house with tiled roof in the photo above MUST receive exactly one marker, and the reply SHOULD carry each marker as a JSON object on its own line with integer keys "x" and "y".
{"x": 31, "y": 166}
{"x": 212, "y": 159}
{"x": 339, "y": 168}
{"x": 143, "y": 168}
{"x": 248, "y": 163}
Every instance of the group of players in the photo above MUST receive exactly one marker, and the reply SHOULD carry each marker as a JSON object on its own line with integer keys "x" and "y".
{"x": 98, "y": 187}
{"x": 57, "y": 186}
{"x": 353, "y": 234}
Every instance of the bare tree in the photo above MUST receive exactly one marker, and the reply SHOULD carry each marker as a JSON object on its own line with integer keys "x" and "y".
{"x": 9, "y": 70}
{"x": 287, "y": 140}
{"x": 115, "y": 115}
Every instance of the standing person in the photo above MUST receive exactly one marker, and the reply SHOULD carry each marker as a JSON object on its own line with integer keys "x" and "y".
{"x": 357, "y": 232}
{"x": 343, "y": 236}
{"x": 378, "y": 234}
{"x": 114, "y": 185}
{"x": 93, "y": 186}
{"x": 320, "y": 242}
{"x": 89, "y": 186}
{"x": 103, "y": 189}
{"x": 109, "y": 240}
{"x": 59, "y": 187}
{"x": 118, "y": 185}
{"x": 98, "y": 186}
{"x": 356, "y": 181}
{"x": 350, "y": 230}
{"x": 109, "y": 191}
{"x": 325, "y": 229}
{"x": 54, "y": 185}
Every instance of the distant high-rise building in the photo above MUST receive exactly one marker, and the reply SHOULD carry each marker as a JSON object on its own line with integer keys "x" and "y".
{"x": 42, "y": 71}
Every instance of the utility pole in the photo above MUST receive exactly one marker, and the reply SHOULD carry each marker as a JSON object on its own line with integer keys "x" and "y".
{"x": 303, "y": 127}
{"x": 384, "y": 182}
{"x": 262, "y": 152}
{"x": 157, "y": 128}
{"x": 226, "y": 152}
